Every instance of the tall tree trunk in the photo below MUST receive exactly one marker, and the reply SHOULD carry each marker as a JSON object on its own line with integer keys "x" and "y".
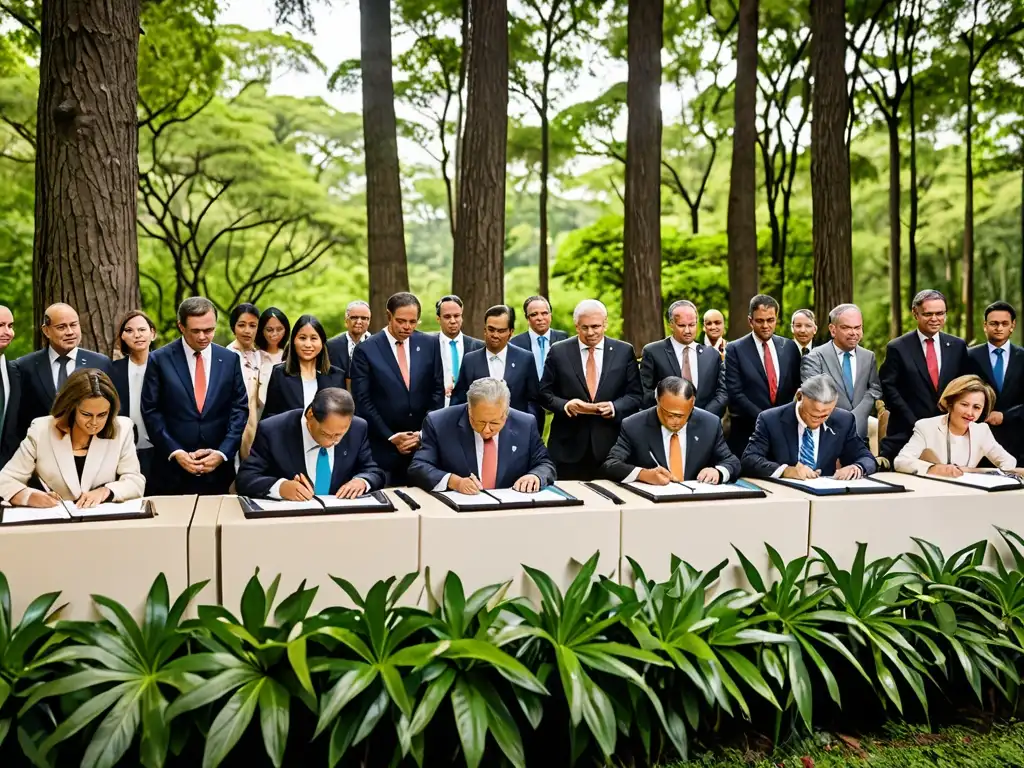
{"x": 742, "y": 226}
{"x": 914, "y": 195}
{"x": 388, "y": 268}
{"x": 460, "y": 119}
{"x": 478, "y": 270}
{"x": 641, "y": 290}
{"x": 87, "y": 166}
{"x": 1022, "y": 226}
{"x": 545, "y": 174}
{"x": 967, "y": 288}
{"x": 895, "y": 292}
{"x": 830, "y": 162}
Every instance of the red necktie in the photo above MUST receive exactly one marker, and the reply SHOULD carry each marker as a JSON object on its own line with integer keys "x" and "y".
{"x": 769, "y": 371}
{"x": 933, "y": 362}
{"x": 489, "y": 466}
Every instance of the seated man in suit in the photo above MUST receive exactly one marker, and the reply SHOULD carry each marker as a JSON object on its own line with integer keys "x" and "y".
{"x": 681, "y": 355}
{"x": 195, "y": 406}
{"x": 322, "y": 451}
{"x": 44, "y": 372}
{"x": 674, "y": 440}
{"x": 803, "y": 326}
{"x": 453, "y": 343}
{"x": 1001, "y": 365}
{"x": 590, "y": 383}
{"x": 811, "y": 438}
{"x": 762, "y": 370}
{"x": 918, "y": 367}
{"x": 852, "y": 368}
{"x": 481, "y": 445}
{"x": 499, "y": 360}
{"x": 357, "y": 330}
{"x": 10, "y": 399}
{"x": 396, "y": 381}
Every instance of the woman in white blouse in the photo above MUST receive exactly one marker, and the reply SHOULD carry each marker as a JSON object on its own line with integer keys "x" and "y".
{"x": 136, "y": 336}
{"x": 256, "y": 367}
{"x": 306, "y": 369}
{"x": 957, "y": 441}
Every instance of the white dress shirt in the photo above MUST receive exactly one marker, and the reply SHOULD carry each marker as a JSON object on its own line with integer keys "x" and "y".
{"x": 535, "y": 349}
{"x": 54, "y": 367}
{"x": 686, "y": 349}
{"x": 310, "y": 452}
{"x": 352, "y": 342}
{"x": 7, "y": 383}
{"x": 800, "y": 429}
{"x": 924, "y": 348}
{"x": 496, "y": 363}
{"x": 446, "y": 357}
{"x": 771, "y": 350}
{"x": 309, "y": 389}
{"x": 479, "y": 443}
{"x": 190, "y": 361}
{"x": 136, "y": 375}
{"x": 841, "y": 353}
{"x": 666, "y": 438}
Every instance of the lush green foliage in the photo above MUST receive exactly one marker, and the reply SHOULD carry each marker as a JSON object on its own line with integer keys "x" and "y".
{"x": 605, "y": 671}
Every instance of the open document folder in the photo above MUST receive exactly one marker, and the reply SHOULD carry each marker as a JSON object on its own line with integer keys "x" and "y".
{"x": 507, "y": 498}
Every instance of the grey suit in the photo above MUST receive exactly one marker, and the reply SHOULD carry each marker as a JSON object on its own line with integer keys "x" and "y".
{"x": 867, "y": 388}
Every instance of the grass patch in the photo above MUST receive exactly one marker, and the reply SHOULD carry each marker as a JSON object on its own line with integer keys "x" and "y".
{"x": 900, "y": 746}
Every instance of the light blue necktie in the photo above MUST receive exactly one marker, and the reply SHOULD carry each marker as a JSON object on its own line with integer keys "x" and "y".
{"x": 541, "y": 355}
{"x": 848, "y": 374}
{"x": 998, "y": 370}
{"x": 455, "y": 359}
{"x": 807, "y": 450}
{"x": 322, "y": 484}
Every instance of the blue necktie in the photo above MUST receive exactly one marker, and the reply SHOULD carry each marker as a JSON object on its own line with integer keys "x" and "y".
{"x": 455, "y": 359}
{"x": 848, "y": 374}
{"x": 807, "y": 450}
{"x": 998, "y": 370}
{"x": 322, "y": 484}
{"x": 541, "y": 355}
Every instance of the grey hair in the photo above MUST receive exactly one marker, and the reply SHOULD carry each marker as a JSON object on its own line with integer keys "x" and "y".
{"x": 841, "y": 309}
{"x": 489, "y": 391}
{"x": 820, "y": 389}
{"x": 195, "y": 306}
{"x": 332, "y": 400}
{"x": 679, "y": 305}
{"x": 675, "y": 385}
{"x": 806, "y": 313}
{"x": 928, "y": 294}
{"x": 353, "y": 304}
{"x": 586, "y": 307}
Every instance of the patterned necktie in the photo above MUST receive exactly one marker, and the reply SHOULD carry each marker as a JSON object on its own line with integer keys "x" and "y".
{"x": 807, "y": 450}
{"x": 848, "y": 374}
{"x": 769, "y": 371}
{"x": 675, "y": 457}
{"x": 200, "y": 383}
{"x": 489, "y": 466}
{"x": 403, "y": 363}
{"x": 933, "y": 362}
{"x": 999, "y": 369}
{"x": 541, "y": 355}
{"x": 322, "y": 484}
{"x": 687, "y": 373}
{"x": 591, "y": 373}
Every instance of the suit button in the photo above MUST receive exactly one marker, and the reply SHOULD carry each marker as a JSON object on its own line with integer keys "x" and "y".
{"x": 410, "y": 414}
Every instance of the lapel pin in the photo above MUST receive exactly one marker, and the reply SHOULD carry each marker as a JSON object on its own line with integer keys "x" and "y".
{"x": 696, "y": 439}
{"x": 513, "y": 449}
{"x": 417, "y": 349}
{"x": 513, "y": 365}
{"x": 344, "y": 453}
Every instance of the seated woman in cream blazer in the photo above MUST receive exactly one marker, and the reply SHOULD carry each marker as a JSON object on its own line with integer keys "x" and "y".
{"x": 957, "y": 441}
{"x": 83, "y": 451}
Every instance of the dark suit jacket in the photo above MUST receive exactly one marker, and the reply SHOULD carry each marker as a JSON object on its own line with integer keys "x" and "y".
{"x": 774, "y": 442}
{"x": 174, "y": 423}
{"x": 520, "y": 375}
{"x": 337, "y": 351}
{"x": 1010, "y": 399}
{"x": 119, "y": 375}
{"x": 10, "y": 438}
{"x": 284, "y": 392}
{"x": 277, "y": 454}
{"x": 522, "y": 340}
{"x": 564, "y": 379}
{"x": 658, "y": 361}
{"x": 907, "y": 388}
{"x": 449, "y": 446}
{"x": 383, "y": 399}
{"x": 641, "y": 436}
{"x": 746, "y": 384}
{"x": 37, "y": 390}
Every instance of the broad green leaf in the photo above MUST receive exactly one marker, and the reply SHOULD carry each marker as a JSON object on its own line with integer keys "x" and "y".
{"x": 213, "y": 689}
{"x": 85, "y": 714}
{"x": 274, "y": 704}
{"x": 230, "y": 723}
{"x": 501, "y": 723}
{"x": 431, "y": 700}
{"x": 117, "y": 730}
{"x": 155, "y": 728}
{"x": 254, "y": 605}
{"x": 454, "y": 604}
{"x": 507, "y": 666}
{"x": 396, "y": 688}
{"x": 378, "y": 707}
{"x": 157, "y": 607}
{"x": 800, "y": 683}
{"x": 749, "y": 674}
{"x": 599, "y": 714}
{"x": 74, "y": 682}
{"x": 118, "y": 615}
{"x": 345, "y": 690}
{"x": 344, "y": 731}
{"x": 297, "y": 658}
{"x": 470, "y": 720}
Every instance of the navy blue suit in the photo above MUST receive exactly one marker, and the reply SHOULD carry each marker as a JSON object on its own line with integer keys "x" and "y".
{"x": 277, "y": 454}
{"x": 386, "y": 403}
{"x": 520, "y": 375}
{"x": 658, "y": 361}
{"x": 522, "y": 340}
{"x": 1010, "y": 398}
{"x": 449, "y": 446}
{"x": 10, "y": 438}
{"x": 284, "y": 392}
{"x": 174, "y": 423}
{"x": 774, "y": 442}
{"x": 337, "y": 351}
{"x": 37, "y": 389}
{"x": 746, "y": 384}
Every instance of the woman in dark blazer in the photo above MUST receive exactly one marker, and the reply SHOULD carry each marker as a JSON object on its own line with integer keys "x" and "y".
{"x": 305, "y": 371}
{"x": 136, "y": 336}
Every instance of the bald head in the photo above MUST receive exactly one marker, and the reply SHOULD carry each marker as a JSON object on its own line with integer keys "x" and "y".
{"x": 6, "y": 327}
{"x": 61, "y": 328}
{"x": 714, "y": 325}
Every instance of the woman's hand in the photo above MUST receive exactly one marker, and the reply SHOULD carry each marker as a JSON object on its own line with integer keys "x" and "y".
{"x": 945, "y": 470}
{"x": 38, "y": 499}
{"x": 94, "y": 497}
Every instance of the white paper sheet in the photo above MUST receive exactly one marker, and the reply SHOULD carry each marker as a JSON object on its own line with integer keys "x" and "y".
{"x": 831, "y": 484}
{"x": 510, "y": 496}
{"x": 699, "y": 488}
{"x": 672, "y": 489}
{"x": 987, "y": 480}
{"x": 468, "y": 500}
{"x": 133, "y": 507}
{"x": 32, "y": 514}
{"x": 333, "y": 502}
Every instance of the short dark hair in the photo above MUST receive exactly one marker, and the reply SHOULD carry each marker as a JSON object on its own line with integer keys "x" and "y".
{"x": 291, "y": 358}
{"x": 245, "y": 308}
{"x": 81, "y": 385}
{"x": 532, "y": 299}
{"x": 195, "y": 306}
{"x": 443, "y": 299}
{"x": 332, "y": 400}
{"x": 403, "y": 299}
{"x": 1001, "y": 306}
{"x": 928, "y": 294}
{"x": 675, "y": 385}
{"x": 679, "y": 305}
{"x": 130, "y": 315}
{"x": 261, "y": 326}
{"x": 762, "y": 300}
{"x": 502, "y": 309}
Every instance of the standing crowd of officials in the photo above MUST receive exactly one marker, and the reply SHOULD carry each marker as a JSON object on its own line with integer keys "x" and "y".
{"x": 293, "y": 413}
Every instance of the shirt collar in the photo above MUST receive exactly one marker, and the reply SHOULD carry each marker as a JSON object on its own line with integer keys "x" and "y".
{"x": 308, "y": 443}
{"x": 800, "y": 421}
{"x": 922, "y": 338}
{"x": 840, "y": 352}
{"x": 992, "y": 347}
{"x": 534, "y": 335}
{"x": 500, "y": 355}
{"x": 189, "y": 352}
{"x": 447, "y": 342}
{"x": 73, "y": 354}
{"x": 678, "y": 345}
{"x": 597, "y": 347}
{"x": 361, "y": 339}
{"x": 667, "y": 433}
{"x": 391, "y": 339}
{"x": 707, "y": 341}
